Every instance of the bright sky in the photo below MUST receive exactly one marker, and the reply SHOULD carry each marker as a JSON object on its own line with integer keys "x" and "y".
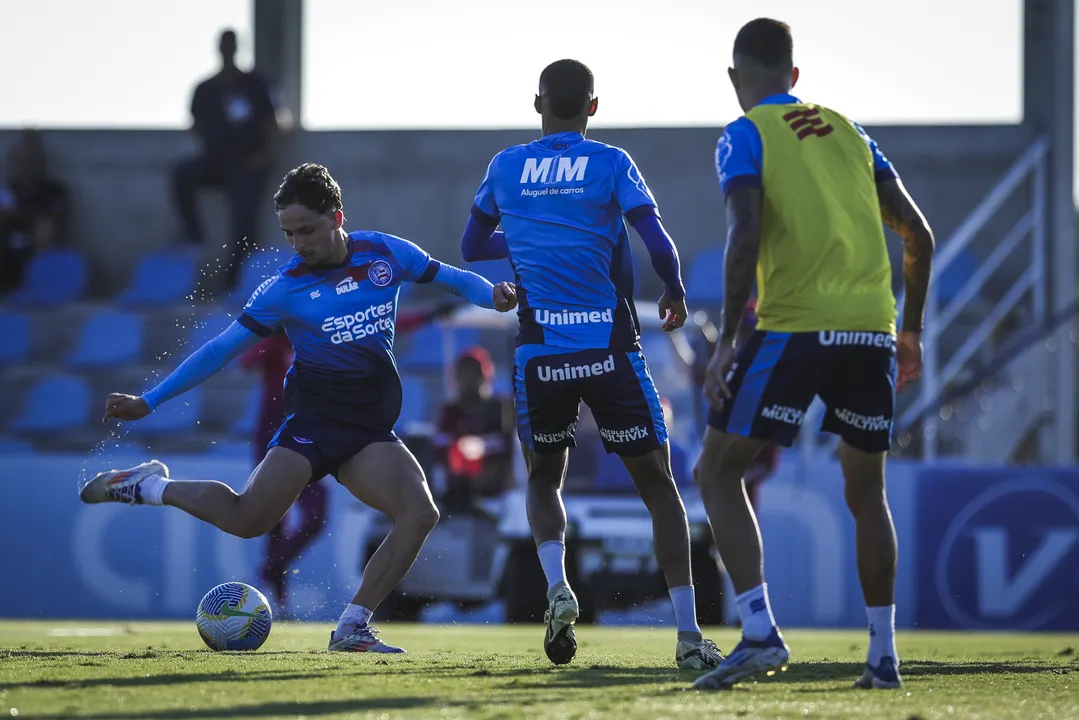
{"x": 475, "y": 63}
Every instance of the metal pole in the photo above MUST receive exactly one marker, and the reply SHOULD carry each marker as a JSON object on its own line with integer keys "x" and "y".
{"x": 1062, "y": 221}
{"x": 279, "y": 51}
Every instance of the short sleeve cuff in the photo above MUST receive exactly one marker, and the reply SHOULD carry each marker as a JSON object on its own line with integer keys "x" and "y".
{"x": 482, "y": 217}
{"x": 428, "y": 274}
{"x": 640, "y": 212}
{"x": 741, "y": 181}
{"x": 254, "y": 325}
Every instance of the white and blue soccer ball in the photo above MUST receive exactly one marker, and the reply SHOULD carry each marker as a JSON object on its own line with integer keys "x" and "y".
{"x": 234, "y": 616}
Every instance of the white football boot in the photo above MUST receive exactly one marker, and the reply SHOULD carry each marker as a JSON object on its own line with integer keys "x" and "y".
{"x": 121, "y": 485}
{"x": 559, "y": 640}
{"x": 700, "y": 655}
{"x": 361, "y": 639}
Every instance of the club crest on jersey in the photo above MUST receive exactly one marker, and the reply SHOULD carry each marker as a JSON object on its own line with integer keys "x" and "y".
{"x": 346, "y": 286}
{"x": 380, "y": 273}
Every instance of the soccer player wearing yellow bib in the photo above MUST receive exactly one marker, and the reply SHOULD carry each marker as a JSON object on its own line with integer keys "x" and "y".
{"x": 806, "y": 193}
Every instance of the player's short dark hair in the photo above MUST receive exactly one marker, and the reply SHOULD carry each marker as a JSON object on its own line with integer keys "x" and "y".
{"x": 568, "y": 86}
{"x": 312, "y": 186}
{"x": 766, "y": 42}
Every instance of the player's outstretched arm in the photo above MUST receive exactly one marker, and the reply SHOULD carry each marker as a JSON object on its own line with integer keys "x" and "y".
{"x": 204, "y": 362}
{"x": 902, "y": 215}
{"x": 476, "y": 289}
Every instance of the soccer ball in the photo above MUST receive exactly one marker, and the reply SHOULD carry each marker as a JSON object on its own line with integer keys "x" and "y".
{"x": 234, "y": 616}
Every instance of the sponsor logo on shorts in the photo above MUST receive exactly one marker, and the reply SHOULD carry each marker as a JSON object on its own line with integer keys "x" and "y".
{"x": 316, "y": 294}
{"x": 555, "y": 437}
{"x": 346, "y": 286}
{"x": 303, "y": 441}
{"x": 549, "y": 373}
{"x": 784, "y": 414}
{"x": 380, "y": 273}
{"x": 572, "y": 317}
{"x": 875, "y": 423}
{"x": 624, "y": 436}
{"x": 360, "y": 324}
{"x": 867, "y": 339}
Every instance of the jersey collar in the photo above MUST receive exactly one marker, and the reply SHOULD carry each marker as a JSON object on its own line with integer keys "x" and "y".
{"x": 780, "y": 99}
{"x": 562, "y": 138}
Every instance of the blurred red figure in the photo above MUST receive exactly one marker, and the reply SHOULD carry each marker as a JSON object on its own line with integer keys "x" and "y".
{"x": 272, "y": 358}
{"x": 475, "y": 429}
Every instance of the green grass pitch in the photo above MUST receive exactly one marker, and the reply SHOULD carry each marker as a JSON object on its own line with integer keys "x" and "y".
{"x": 94, "y": 669}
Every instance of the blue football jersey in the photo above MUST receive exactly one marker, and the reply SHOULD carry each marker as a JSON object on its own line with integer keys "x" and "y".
{"x": 341, "y": 323}
{"x": 561, "y": 201}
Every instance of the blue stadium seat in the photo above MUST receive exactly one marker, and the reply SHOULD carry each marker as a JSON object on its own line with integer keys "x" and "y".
{"x": 108, "y": 337}
{"x": 423, "y": 348}
{"x": 13, "y": 446}
{"x": 206, "y": 329}
{"x": 414, "y": 402}
{"x": 705, "y": 283}
{"x": 955, "y": 276}
{"x": 54, "y": 277}
{"x": 256, "y": 268}
{"x": 178, "y": 415}
{"x": 15, "y": 332}
{"x": 161, "y": 278}
{"x": 495, "y": 271}
{"x": 245, "y": 423}
{"x": 54, "y": 403}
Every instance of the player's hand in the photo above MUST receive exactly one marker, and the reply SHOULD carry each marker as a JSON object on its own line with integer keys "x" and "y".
{"x": 505, "y": 296}
{"x": 672, "y": 312}
{"x": 125, "y": 407}
{"x": 715, "y": 377}
{"x": 908, "y": 353}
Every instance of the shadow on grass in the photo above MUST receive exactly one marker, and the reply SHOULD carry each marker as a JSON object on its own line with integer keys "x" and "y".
{"x": 168, "y": 679}
{"x": 847, "y": 672}
{"x": 273, "y": 709}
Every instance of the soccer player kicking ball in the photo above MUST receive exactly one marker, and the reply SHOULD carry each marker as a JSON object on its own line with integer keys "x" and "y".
{"x": 561, "y": 201}
{"x": 806, "y": 193}
{"x": 337, "y": 300}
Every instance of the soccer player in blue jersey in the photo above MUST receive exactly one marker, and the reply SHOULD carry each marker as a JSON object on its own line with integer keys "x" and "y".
{"x": 337, "y": 300}
{"x": 561, "y": 201}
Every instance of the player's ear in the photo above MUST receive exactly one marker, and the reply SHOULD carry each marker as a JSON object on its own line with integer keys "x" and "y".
{"x": 592, "y": 107}
{"x": 338, "y": 219}
{"x": 538, "y": 105}
{"x": 794, "y": 77}
{"x": 733, "y": 75}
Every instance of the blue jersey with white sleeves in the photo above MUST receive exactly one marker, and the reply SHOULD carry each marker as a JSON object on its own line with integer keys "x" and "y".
{"x": 341, "y": 323}
{"x": 561, "y": 202}
{"x": 740, "y": 152}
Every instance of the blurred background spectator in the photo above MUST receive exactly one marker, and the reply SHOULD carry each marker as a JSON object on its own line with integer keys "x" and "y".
{"x": 236, "y": 124}
{"x": 33, "y": 209}
{"x": 475, "y": 432}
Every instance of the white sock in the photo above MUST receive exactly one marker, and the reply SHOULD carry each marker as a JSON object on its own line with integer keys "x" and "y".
{"x": 152, "y": 488}
{"x": 756, "y": 613}
{"x": 552, "y": 555}
{"x": 352, "y": 616}
{"x": 881, "y": 634}
{"x": 685, "y": 609}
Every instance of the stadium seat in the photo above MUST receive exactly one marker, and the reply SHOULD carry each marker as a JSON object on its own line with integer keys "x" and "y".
{"x": 423, "y": 348}
{"x": 13, "y": 446}
{"x": 108, "y": 337}
{"x": 54, "y": 403}
{"x": 414, "y": 402}
{"x": 55, "y": 277}
{"x": 178, "y": 415}
{"x": 495, "y": 271}
{"x": 15, "y": 332}
{"x": 244, "y": 424}
{"x": 705, "y": 283}
{"x": 256, "y": 268}
{"x": 955, "y": 276}
{"x": 206, "y": 329}
{"x": 161, "y": 278}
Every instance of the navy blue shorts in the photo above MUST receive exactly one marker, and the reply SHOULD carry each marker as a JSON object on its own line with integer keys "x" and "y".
{"x": 327, "y": 444}
{"x": 550, "y": 383}
{"x": 776, "y": 375}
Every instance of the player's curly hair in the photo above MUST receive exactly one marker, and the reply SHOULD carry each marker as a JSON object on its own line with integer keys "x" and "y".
{"x": 312, "y": 186}
{"x": 766, "y": 42}
{"x": 568, "y": 86}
